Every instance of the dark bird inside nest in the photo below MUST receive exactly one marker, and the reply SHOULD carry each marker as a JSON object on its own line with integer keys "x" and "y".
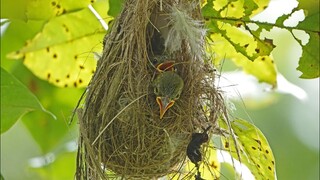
{"x": 167, "y": 86}
{"x": 193, "y": 148}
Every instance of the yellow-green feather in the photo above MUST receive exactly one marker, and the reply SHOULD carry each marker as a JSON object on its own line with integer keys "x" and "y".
{"x": 168, "y": 84}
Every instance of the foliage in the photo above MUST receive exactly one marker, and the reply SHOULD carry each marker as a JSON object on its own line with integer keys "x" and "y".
{"x": 67, "y": 60}
{"x": 228, "y": 29}
{"x": 77, "y": 31}
{"x": 16, "y": 100}
{"x": 254, "y": 150}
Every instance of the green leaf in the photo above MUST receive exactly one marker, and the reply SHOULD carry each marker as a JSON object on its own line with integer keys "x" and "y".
{"x": 61, "y": 168}
{"x": 233, "y": 39}
{"x": 16, "y": 101}
{"x": 309, "y": 6}
{"x": 40, "y": 10}
{"x": 309, "y": 23}
{"x": 209, "y": 167}
{"x": 14, "y": 37}
{"x": 115, "y": 7}
{"x": 228, "y": 171}
{"x": 309, "y": 61}
{"x": 252, "y": 147}
{"x": 60, "y": 101}
{"x": 48, "y": 134}
{"x": 66, "y": 60}
{"x": 262, "y": 66}
{"x": 13, "y": 9}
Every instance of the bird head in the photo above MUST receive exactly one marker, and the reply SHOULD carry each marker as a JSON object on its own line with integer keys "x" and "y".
{"x": 167, "y": 87}
{"x": 163, "y": 63}
{"x": 166, "y": 66}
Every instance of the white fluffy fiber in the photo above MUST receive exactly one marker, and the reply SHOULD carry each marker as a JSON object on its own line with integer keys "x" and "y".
{"x": 184, "y": 27}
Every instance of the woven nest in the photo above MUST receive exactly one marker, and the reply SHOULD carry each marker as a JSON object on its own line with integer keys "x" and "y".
{"x": 121, "y": 134}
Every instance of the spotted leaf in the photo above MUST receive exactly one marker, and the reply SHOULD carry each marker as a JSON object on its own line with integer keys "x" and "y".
{"x": 309, "y": 63}
{"x": 63, "y": 52}
{"x": 40, "y": 10}
{"x": 251, "y": 147}
{"x": 209, "y": 167}
{"x": 227, "y": 23}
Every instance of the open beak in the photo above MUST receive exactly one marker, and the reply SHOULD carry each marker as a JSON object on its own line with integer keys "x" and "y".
{"x": 164, "y": 104}
{"x": 166, "y": 66}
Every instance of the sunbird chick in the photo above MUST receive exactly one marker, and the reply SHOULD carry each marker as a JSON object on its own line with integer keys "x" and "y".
{"x": 166, "y": 66}
{"x": 167, "y": 86}
{"x": 163, "y": 63}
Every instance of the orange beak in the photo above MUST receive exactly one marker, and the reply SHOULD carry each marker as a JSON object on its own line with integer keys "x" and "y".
{"x": 164, "y": 105}
{"x": 166, "y": 66}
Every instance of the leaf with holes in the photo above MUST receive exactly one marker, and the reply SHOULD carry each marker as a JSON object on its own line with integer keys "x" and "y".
{"x": 228, "y": 24}
{"x": 262, "y": 65}
{"x": 16, "y": 101}
{"x": 252, "y": 148}
{"x": 309, "y": 61}
{"x": 63, "y": 52}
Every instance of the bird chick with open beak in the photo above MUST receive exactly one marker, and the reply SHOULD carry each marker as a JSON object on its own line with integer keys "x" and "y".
{"x": 163, "y": 63}
{"x": 167, "y": 86}
{"x": 166, "y": 66}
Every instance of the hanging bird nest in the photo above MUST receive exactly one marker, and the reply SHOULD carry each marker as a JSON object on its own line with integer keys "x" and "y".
{"x": 121, "y": 133}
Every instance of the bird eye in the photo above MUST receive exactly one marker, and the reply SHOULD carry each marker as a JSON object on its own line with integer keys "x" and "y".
{"x": 177, "y": 96}
{"x": 156, "y": 91}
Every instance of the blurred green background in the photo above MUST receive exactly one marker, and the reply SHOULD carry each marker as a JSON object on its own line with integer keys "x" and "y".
{"x": 39, "y": 147}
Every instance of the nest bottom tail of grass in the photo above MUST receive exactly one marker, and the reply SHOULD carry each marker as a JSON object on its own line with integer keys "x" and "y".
{"x": 121, "y": 134}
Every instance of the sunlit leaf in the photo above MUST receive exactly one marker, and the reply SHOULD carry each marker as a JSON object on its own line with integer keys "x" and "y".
{"x": 40, "y": 10}
{"x": 13, "y": 39}
{"x": 13, "y": 9}
{"x": 252, "y": 148}
{"x": 233, "y": 39}
{"x": 63, "y": 66}
{"x": 46, "y": 9}
{"x": 66, "y": 60}
{"x": 209, "y": 167}
{"x": 261, "y": 67}
{"x": 247, "y": 8}
{"x": 309, "y": 61}
{"x": 16, "y": 101}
